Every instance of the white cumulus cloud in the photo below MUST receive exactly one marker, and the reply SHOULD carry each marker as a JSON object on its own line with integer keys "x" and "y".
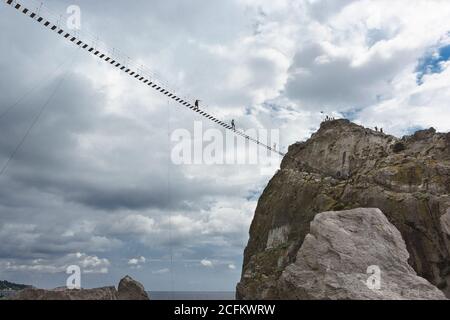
{"x": 206, "y": 263}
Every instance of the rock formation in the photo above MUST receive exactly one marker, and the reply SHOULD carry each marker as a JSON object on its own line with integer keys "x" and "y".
{"x": 345, "y": 166}
{"x": 105, "y": 293}
{"x": 129, "y": 289}
{"x": 341, "y": 247}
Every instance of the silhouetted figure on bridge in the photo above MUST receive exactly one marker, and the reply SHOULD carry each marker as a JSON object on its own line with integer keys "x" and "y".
{"x": 233, "y": 126}
{"x": 197, "y": 104}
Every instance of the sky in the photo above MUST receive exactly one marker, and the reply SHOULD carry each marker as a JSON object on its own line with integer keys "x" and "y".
{"x": 92, "y": 183}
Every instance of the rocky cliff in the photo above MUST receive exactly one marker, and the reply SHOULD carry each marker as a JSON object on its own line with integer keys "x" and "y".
{"x": 346, "y": 166}
{"x": 128, "y": 289}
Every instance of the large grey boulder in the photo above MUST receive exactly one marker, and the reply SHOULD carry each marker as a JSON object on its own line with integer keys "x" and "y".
{"x": 354, "y": 254}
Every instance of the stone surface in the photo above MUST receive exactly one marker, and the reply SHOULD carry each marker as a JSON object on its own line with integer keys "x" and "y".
{"x": 445, "y": 224}
{"x": 334, "y": 258}
{"x": 346, "y": 166}
{"x": 129, "y": 289}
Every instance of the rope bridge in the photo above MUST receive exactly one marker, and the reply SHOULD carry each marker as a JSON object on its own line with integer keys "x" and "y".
{"x": 140, "y": 73}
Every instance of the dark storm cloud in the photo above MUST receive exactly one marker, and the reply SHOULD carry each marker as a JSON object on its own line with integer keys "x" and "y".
{"x": 50, "y": 160}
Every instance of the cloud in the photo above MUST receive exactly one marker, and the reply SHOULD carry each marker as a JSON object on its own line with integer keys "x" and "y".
{"x": 350, "y": 59}
{"x": 416, "y": 106}
{"x": 232, "y": 267}
{"x": 206, "y": 263}
{"x": 132, "y": 224}
{"x": 88, "y": 264}
{"x": 136, "y": 261}
{"x": 216, "y": 225}
{"x": 43, "y": 242}
{"x": 161, "y": 271}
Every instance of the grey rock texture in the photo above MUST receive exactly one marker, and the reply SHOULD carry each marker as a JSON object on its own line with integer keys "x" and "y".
{"x": 129, "y": 289}
{"x": 334, "y": 258}
{"x": 445, "y": 224}
{"x": 345, "y": 166}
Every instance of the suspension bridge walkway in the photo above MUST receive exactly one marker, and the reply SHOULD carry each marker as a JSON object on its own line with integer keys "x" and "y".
{"x": 113, "y": 57}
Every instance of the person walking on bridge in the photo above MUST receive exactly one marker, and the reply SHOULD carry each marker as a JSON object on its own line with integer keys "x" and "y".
{"x": 197, "y": 105}
{"x": 233, "y": 126}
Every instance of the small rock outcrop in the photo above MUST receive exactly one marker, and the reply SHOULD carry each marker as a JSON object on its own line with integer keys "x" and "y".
{"x": 129, "y": 289}
{"x": 345, "y": 166}
{"x": 341, "y": 247}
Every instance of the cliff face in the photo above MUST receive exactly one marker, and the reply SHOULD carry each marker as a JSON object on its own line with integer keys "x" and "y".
{"x": 346, "y": 166}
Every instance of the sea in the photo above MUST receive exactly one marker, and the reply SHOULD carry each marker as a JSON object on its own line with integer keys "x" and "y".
{"x": 192, "y": 295}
